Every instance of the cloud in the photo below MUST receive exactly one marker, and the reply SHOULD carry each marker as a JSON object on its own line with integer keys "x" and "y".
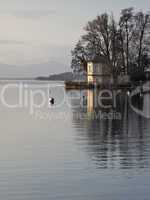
{"x": 33, "y": 13}
{"x": 12, "y": 42}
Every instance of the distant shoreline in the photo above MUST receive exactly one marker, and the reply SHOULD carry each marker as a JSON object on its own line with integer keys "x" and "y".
{"x": 66, "y": 76}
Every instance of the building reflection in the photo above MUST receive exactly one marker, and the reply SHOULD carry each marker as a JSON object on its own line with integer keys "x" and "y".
{"x": 90, "y": 101}
{"x": 110, "y": 141}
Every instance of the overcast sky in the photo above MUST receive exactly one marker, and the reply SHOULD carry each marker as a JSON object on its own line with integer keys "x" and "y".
{"x": 43, "y": 31}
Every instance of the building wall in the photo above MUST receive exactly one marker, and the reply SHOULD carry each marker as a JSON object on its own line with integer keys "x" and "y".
{"x": 90, "y": 72}
{"x": 90, "y": 79}
{"x": 103, "y": 79}
{"x": 90, "y": 101}
{"x": 98, "y": 73}
{"x": 98, "y": 69}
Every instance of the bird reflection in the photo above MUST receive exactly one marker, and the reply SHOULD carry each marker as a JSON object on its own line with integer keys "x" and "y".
{"x": 113, "y": 142}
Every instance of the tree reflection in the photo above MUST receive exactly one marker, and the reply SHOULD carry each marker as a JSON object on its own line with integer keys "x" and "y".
{"x": 111, "y": 143}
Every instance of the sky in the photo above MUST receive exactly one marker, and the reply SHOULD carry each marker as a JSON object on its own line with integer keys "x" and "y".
{"x": 43, "y": 32}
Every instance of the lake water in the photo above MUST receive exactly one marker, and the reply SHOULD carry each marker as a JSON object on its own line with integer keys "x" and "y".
{"x": 65, "y": 152}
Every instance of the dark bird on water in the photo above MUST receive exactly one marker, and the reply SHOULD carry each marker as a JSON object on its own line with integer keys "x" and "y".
{"x": 52, "y": 101}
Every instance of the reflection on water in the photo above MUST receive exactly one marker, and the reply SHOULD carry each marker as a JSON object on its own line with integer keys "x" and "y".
{"x": 140, "y": 100}
{"x": 146, "y": 104}
{"x": 77, "y": 152}
{"x": 121, "y": 143}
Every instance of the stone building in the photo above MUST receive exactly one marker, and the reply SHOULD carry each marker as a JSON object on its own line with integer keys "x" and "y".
{"x": 99, "y": 71}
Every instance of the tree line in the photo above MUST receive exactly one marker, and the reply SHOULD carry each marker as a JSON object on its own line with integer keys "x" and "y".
{"x": 124, "y": 43}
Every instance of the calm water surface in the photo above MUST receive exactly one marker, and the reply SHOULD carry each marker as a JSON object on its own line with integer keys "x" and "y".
{"x": 63, "y": 153}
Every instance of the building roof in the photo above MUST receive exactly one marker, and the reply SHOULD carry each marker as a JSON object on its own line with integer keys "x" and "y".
{"x": 99, "y": 59}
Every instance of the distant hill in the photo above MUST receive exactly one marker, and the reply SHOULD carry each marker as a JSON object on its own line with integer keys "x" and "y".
{"x": 32, "y": 70}
{"x": 67, "y": 76}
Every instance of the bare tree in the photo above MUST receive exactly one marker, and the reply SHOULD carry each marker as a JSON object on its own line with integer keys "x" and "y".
{"x": 79, "y": 58}
{"x": 126, "y": 24}
{"x": 142, "y": 36}
{"x": 123, "y": 44}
